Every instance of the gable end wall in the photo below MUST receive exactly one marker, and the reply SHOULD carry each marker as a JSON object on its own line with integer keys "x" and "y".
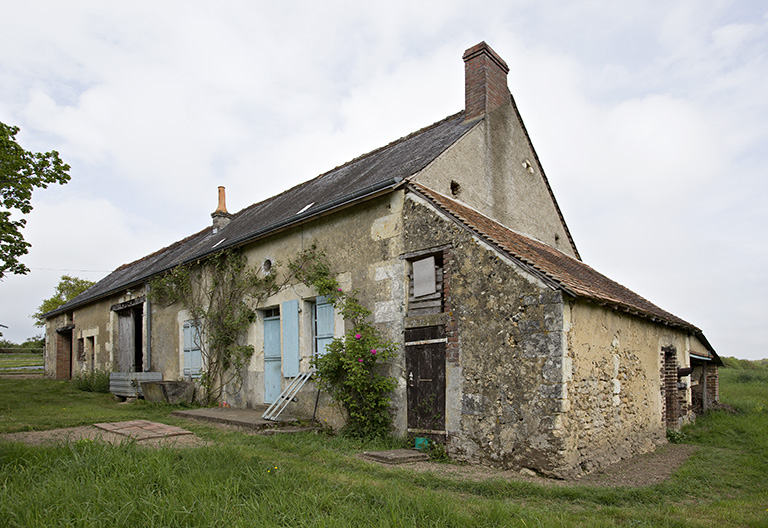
{"x": 505, "y": 383}
{"x": 499, "y": 175}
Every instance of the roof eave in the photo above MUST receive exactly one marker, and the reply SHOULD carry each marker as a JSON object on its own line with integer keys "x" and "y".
{"x": 362, "y": 195}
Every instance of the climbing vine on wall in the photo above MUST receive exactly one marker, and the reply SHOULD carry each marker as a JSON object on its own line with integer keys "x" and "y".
{"x": 221, "y": 294}
{"x": 351, "y": 368}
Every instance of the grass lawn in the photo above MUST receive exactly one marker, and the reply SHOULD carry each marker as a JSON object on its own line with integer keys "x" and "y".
{"x": 316, "y": 480}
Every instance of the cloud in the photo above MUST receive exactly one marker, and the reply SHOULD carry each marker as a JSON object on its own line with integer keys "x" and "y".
{"x": 650, "y": 120}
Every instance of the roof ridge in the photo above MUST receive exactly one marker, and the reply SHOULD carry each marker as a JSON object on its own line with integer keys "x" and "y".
{"x": 392, "y": 143}
{"x": 529, "y": 237}
{"x": 354, "y": 160}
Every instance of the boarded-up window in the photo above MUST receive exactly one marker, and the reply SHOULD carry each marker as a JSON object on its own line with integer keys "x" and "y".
{"x": 424, "y": 282}
{"x": 426, "y": 286}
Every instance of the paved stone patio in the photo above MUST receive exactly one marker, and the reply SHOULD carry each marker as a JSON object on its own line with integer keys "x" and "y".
{"x": 142, "y": 429}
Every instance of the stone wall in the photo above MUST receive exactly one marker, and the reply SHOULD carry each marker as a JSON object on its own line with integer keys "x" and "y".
{"x": 362, "y": 247}
{"x": 93, "y": 334}
{"x": 617, "y": 393}
{"x": 505, "y": 379}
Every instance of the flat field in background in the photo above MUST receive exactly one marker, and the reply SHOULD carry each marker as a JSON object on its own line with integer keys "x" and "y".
{"x": 313, "y": 479}
{"x": 10, "y": 362}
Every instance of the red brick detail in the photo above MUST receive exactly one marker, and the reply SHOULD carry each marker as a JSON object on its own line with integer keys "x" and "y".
{"x": 670, "y": 397}
{"x": 63, "y": 355}
{"x": 485, "y": 81}
{"x": 713, "y": 384}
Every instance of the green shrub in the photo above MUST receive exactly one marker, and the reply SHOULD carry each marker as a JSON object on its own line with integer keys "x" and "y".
{"x": 437, "y": 452}
{"x": 350, "y": 372}
{"x": 353, "y": 368}
{"x": 93, "y": 381}
{"x": 675, "y": 437}
{"x": 749, "y": 376}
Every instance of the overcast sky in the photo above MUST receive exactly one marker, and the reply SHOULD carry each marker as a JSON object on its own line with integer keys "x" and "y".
{"x": 650, "y": 119}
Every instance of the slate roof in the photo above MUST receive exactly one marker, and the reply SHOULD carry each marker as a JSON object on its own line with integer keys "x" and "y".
{"x": 567, "y": 273}
{"x": 363, "y": 177}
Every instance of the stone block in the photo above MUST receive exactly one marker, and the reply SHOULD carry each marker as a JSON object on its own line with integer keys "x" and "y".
{"x": 173, "y": 392}
{"x": 472, "y": 404}
{"x": 551, "y": 297}
{"x": 540, "y": 345}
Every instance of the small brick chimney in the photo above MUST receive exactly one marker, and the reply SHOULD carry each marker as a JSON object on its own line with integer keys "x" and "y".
{"x": 220, "y": 216}
{"x": 485, "y": 81}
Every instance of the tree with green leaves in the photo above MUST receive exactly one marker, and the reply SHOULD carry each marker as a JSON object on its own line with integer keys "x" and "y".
{"x": 21, "y": 172}
{"x": 67, "y": 289}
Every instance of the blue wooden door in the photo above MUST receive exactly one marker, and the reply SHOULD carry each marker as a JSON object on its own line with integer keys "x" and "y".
{"x": 272, "y": 363}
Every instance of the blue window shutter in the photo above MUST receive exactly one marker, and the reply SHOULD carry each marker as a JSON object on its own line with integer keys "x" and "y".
{"x": 323, "y": 325}
{"x": 290, "y": 319}
{"x": 193, "y": 358}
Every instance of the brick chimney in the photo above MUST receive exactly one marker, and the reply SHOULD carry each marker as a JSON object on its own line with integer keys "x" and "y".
{"x": 220, "y": 216}
{"x": 485, "y": 81}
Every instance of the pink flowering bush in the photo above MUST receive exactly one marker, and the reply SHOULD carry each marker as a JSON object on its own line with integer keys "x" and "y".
{"x": 350, "y": 371}
{"x": 353, "y": 368}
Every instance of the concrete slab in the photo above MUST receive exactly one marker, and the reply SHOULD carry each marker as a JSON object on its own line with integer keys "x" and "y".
{"x": 142, "y": 429}
{"x": 289, "y": 430}
{"x": 247, "y": 418}
{"x": 396, "y": 456}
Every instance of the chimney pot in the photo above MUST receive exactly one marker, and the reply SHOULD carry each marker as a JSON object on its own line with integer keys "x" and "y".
{"x": 220, "y": 216}
{"x": 485, "y": 81}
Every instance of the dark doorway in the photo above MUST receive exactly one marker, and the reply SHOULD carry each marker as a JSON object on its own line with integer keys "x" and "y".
{"x": 425, "y": 371}
{"x": 130, "y": 356}
{"x": 64, "y": 352}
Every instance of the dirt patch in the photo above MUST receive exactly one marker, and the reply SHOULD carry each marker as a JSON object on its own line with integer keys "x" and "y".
{"x": 638, "y": 471}
{"x": 90, "y": 432}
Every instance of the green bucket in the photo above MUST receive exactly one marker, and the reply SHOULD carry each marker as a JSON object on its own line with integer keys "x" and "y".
{"x": 421, "y": 443}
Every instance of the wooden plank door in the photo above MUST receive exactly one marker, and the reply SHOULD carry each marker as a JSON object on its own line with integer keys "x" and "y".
{"x": 425, "y": 371}
{"x": 126, "y": 341}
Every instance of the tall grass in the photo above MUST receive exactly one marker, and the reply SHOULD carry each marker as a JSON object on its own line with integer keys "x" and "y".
{"x": 92, "y": 381}
{"x": 317, "y": 480}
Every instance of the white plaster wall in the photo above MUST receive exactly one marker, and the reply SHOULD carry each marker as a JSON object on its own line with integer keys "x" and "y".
{"x": 499, "y": 175}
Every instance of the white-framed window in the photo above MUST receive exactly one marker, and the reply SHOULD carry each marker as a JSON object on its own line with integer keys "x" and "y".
{"x": 193, "y": 357}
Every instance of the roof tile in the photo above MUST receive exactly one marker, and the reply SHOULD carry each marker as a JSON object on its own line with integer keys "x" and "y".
{"x": 571, "y": 274}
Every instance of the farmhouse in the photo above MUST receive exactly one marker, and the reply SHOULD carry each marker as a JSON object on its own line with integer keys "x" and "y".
{"x": 512, "y": 350}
